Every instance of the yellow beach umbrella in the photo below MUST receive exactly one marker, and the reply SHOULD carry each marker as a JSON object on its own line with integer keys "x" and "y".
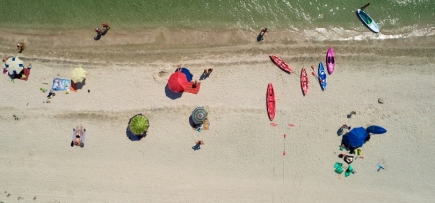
{"x": 78, "y": 75}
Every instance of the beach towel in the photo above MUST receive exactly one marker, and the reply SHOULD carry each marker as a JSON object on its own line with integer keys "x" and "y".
{"x": 25, "y": 74}
{"x": 190, "y": 89}
{"x": 73, "y": 87}
{"x": 206, "y": 125}
{"x": 61, "y": 84}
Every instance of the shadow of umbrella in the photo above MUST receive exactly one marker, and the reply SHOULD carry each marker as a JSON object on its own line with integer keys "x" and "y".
{"x": 132, "y": 136}
{"x": 172, "y": 95}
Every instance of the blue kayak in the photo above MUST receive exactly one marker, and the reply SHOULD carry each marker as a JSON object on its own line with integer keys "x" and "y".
{"x": 376, "y": 129}
{"x": 322, "y": 76}
{"x": 367, "y": 20}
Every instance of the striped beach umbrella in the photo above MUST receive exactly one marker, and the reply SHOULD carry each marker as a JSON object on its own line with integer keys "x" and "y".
{"x": 138, "y": 124}
{"x": 14, "y": 65}
{"x": 199, "y": 115}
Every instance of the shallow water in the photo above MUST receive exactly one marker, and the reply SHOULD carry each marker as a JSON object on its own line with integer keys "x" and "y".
{"x": 396, "y": 18}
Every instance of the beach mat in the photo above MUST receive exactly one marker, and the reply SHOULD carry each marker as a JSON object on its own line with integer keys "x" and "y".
{"x": 188, "y": 88}
{"x": 25, "y": 72}
{"x": 206, "y": 125}
{"x": 73, "y": 87}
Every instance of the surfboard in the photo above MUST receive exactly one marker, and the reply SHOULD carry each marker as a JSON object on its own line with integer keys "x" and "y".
{"x": 367, "y": 20}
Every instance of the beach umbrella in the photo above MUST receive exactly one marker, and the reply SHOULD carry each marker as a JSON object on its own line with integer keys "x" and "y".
{"x": 14, "y": 65}
{"x": 138, "y": 124}
{"x": 78, "y": 75}
{"x": 177, "y": 81}
{"x": 199, "y": 115}
{"x": 186, "y": 72}
{"x": 357, "y": 137}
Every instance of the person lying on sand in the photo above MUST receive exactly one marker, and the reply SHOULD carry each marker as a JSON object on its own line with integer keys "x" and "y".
{"x": 79, "y": 135}
{"x": 345, "y": 127}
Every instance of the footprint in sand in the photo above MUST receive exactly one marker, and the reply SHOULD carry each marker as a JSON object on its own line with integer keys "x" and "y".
{"x": 161, "y": 75}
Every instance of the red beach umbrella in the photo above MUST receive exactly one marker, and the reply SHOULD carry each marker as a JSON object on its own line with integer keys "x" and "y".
{"x": 177, "y": 81}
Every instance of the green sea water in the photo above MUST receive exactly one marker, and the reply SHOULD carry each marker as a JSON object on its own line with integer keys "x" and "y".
{"x": 404, "y": 17}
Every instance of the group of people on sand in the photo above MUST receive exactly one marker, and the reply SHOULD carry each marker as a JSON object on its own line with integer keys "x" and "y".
{"x": 101, "y": 32}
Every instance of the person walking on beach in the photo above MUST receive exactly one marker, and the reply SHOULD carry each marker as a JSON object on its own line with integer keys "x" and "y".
{"x": 98, "y": 31}
{"x": 260, "y": 36}
{"x": 106, "y": 28}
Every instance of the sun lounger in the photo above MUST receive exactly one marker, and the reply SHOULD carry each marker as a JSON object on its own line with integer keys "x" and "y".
{"x": 82, "y": 138}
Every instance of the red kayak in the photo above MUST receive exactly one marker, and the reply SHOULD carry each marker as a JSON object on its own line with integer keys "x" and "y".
{"x": 270, "y": 101}
{"x": 304, "y": 81}
{"x": 281, "y": 64}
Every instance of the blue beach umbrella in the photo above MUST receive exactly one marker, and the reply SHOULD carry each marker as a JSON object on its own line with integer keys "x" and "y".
{"x": 357, "y": 137}
{"x": 186, "y": 72}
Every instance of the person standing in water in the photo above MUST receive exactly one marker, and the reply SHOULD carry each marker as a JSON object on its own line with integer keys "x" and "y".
{"x": 262, "y": 32}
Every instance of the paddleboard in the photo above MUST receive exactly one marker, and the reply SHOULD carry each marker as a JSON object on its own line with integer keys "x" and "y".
{"x": 304, "y": 81}
{"x": 322, "y": 76}
{"x": 270, "y": 98}
{"x": 376, "y": 129}
{"x": 330, "y": 60}
{"x": 280, "y": 63}
{"x": 367, "y": 20}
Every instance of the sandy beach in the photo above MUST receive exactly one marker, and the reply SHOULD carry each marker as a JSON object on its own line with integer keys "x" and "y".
{"x": 242, "y": 159}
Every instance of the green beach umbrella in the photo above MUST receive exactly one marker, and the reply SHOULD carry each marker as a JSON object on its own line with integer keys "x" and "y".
{"x": 199, "y": 115}
{"x": 138, "y": 124}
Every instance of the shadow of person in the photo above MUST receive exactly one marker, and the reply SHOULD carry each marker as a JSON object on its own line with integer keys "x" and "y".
{"x": 203, "y": 76}
{"x": 196, "y": 147}
{"x": 98, "y": 37}
{"x": 259, "y": 37}
{"x": 105, "y": 32}
{"x": 172, "y": 95}
{"x": 340, "y": 131}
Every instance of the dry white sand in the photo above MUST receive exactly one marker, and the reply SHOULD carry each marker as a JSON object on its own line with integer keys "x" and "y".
{"x": 242, "y": 159}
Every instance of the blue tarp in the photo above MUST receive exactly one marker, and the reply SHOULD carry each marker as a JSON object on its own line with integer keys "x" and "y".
{"x": 186, "y": 72}
{"x": 356, "y": 137}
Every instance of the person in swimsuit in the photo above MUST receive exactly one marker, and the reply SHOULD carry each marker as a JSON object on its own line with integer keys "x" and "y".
{"x": 78, "y": 134}
{"x": 98, "y": 31}
{"x": 20, "y": 47}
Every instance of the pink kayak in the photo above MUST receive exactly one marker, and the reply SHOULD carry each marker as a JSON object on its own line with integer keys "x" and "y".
{"x": 330, "y": 60}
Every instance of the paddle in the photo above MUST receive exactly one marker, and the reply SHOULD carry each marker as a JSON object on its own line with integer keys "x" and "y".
{"x": 283, "y": 153}
{"x": 313, "y": 72}
{"x": 274, "y": 124}
{"x": 365, "y": 6}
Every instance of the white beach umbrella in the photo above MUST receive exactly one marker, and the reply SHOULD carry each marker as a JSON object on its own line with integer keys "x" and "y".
{"x": 14, "y": 65}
